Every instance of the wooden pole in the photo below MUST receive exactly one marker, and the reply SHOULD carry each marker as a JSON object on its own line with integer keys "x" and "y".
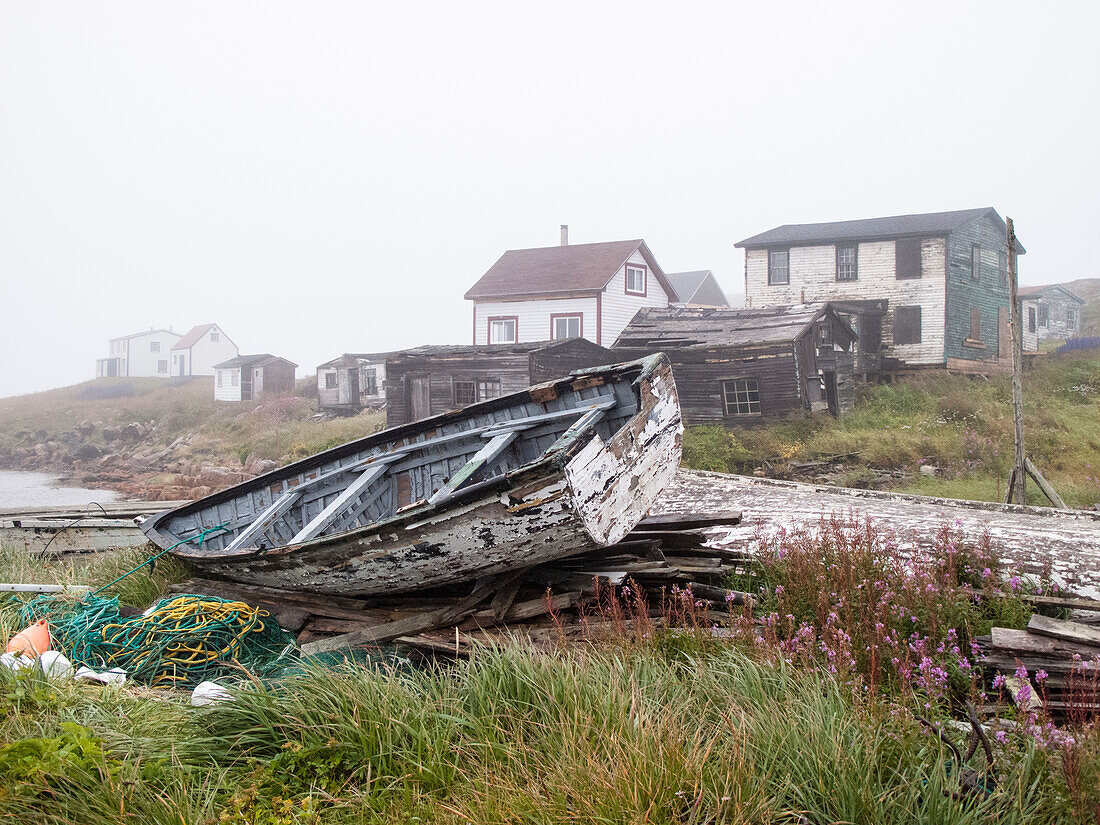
{"x": 1019, "y": 472}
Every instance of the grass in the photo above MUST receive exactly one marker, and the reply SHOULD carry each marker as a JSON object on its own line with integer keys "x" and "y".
{"x": 960, "y": 425}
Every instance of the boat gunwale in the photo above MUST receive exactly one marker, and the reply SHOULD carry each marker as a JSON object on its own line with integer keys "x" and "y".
{"x": 548, "y": 466}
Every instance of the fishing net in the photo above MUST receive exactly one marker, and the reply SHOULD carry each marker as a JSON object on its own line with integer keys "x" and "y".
{"x": 178, "y": 642}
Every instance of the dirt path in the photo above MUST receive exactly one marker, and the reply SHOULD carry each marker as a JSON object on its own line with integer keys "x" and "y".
{"x": 1029, "y": 538}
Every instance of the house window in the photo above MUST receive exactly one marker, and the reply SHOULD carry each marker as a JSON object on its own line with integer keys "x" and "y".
{"x": 907, "y": 325}
{"x": 975, "y": 324}
{"x": 1044, "y": 315}
{"x": 1031, "y": 319}
{"x": 1071, "y": 318}
{"x": 214, "y": 338}
{"x": 235, "y": 377}
{"x": 154, "y": 346}
{"x": 503, "y": 330}
{"x": 635, "y": 280}
{"x": 1002, "y": 268}
{"x": 162, "y": 366}
{"x": 330, "y": 380}
{"x": 975, "y": 262}
{"x": 464, "y": 393}
{"x": 565, "y": 326}
{"x": 488, "y": 388}
{"x": 907, "y": 262}
{"x": 369, "y": 384}
{"x": 779, "y": 266}
{"x": 220, "y": 378}
{"x": 741, "y": 396}
{"x": 846, "y": 263}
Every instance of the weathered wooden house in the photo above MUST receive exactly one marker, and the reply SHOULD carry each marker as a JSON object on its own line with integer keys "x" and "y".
{"x": 740, "y": 366}
{"x": 141, "y": 355}
{"x": 428, "y": 380}
{"x": 252, "y": 377}
{"x": 943, "y": 274}
{"x": 1052, "y": 312}
{"x": 570, "y": 291}
{"x": 698, "y": 288}
{"x": 355, "y": 381}
{"x": 200, "y": 350}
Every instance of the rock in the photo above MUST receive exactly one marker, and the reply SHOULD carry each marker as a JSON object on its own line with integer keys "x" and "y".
{"x": 132, "y": 432}
{"x": 87, "y": 452}
{"x": 928, "y": 470}
{"x": 85, "y": 428}
{"x": 264, "y": 465}
{"x": 40, "y": 435}
{"x": 42, "y": 451}
{"x": 112, "y": 433}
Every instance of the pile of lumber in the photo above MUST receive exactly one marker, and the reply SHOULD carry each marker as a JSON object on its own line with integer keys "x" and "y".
{"x": 664, "y": 557}
{"x": 1068, "y": 651}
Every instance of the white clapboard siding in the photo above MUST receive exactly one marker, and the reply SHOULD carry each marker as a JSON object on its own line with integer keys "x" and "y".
{"x": 145, "y": 354}
{"x": 228, "y": 391}
{"x": 1030, "y": 339}
{"x": 204, "y": 353}
{"x": 534, "y": 316}
{"x": 619, "y": 308}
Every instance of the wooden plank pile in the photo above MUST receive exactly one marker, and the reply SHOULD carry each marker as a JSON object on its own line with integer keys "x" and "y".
{"x": 539, "y": 604}
{"x": 1061, "y": 657}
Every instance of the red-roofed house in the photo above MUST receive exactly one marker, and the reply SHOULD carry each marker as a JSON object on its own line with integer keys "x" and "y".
{"x": 583, "y": 290}
{"x": 199, "y": 350}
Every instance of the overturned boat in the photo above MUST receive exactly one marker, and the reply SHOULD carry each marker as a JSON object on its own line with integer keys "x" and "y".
{"x": 561, "y": 468}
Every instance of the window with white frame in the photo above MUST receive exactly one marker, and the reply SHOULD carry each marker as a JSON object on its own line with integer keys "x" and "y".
{"x": 154, "y": 346}
{"x": 330, "y": 380}
{"x": 214, "y": 338}
{"x": 369, "y": 384}
{"x": 503, "y": 330}
{"x": 235, "y": 378}
{"x": 1071, "y": 318}
{"x": 741, "y": 396}
{"x": 846, "y": 263}
{"x": 488, "y": 388}
{"x": 1044, "y": 315}
{"x": 566, "y": 326}
{"x": 464, "y": 393}
{"x": 779, "y": 266}
{"x": 221, "y": 377}
{"x": 635, "y": 279}
{"x": 162, "y": 366}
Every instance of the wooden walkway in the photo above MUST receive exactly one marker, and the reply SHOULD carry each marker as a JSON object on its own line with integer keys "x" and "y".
{"x": 1029, "y": 539}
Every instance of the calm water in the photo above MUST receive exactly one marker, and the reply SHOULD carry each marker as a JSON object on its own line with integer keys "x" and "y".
{"x": 19, "y": 489}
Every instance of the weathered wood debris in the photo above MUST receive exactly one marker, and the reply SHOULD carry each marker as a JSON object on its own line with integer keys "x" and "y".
{"x": 665, "y": 556}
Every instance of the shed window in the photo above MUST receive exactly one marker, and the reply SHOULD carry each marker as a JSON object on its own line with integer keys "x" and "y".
{"x": 1031, "y": 319}
{"x": 975, "y": 262}
{"x": 503, "y": 330}
{"x": 220, "y": 378}
{"x": 565, "y": 326}
{"x": 1071, "y": 318}
{"x": 975, "y": 324}
{"x": 779, "y": 261}
{"x": 154, "y": 346}
{"x": 1044, "y": 315}
{"x": 846, "y": 263}
{"x": 369, "y": 384}
{"x": 214, "y": 338}
{"x": 162, "y": 366}
{"x": 463, "y": 393}
{"x": 907, "y": 263}
{"x": 635, "y": 280}
{"x": 1002, "y": 268}
{"x": 488, "y": 388}
{"x": 907, "y": 325}
{"x": 235, "y": 377}
{"x": 330, "y": 380}
{"x": 741, "y": 396}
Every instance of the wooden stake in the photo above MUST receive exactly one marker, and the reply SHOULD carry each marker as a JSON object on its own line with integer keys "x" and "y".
{"x": 1019, "y": 471}
{"x": 1044, "y": 485}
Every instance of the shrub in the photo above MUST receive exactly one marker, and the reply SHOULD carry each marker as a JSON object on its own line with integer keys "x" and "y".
{"x": 716, "y": 449}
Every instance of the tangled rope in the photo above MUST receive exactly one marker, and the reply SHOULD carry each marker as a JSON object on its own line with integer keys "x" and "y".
{"x": 179, "y": 642}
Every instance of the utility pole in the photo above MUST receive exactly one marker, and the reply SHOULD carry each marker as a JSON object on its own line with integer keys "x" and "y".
{"x": 1018, "y": 481}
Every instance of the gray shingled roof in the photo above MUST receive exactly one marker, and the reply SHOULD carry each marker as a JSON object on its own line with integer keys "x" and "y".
{"x": 260, "y": 359}
{"x": 458, "y": 350}
{"x": 351, "y": 359}
{"x": 1042, "y": 289}
{"x": 698, "y": 286}
{"x": 673, "y": 328}
{"x": 896, "y": 226}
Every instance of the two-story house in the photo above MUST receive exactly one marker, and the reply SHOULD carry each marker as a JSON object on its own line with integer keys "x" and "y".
{"x": 944, "y": 276}
{"x": 203, "y": 347}
{"x": 1051, "y": 313}
{"x": 141, "y": 355}
{"x": 569, "y": 291}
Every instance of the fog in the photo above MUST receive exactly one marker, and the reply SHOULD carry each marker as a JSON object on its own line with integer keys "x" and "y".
{"x": 329, "y": 177}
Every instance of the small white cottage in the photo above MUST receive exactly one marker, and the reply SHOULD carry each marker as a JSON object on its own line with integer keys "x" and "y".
{"x": 251, "y": 377}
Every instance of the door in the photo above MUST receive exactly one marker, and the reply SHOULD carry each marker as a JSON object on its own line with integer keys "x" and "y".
{"x": 182, "y": 366}
{"x": 353, "y": 387}
{"x": 246, "y": 384}
{"x": 830, "y": 392}
{"x": 420, "y": 397}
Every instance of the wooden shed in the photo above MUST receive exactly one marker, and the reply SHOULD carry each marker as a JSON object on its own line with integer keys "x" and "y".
{"x": 352, "y": 382}
{"x": 740, "y": 366}
{"x": 428, "y": 380}
{"x": 251, "y": 377}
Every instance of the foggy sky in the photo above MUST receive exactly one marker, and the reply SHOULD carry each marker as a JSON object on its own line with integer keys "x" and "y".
{"x": 329, "y": 177}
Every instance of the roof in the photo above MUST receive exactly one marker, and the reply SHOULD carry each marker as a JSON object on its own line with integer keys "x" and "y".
{"x": 262, "y": 359}
{"x": 191, "y": 338}
{"x": 554, "y": 270}
{"x": 143, "y": 332}
{"x": 896, "y": 226}
{"x": 352, "y": 359}
{"x": 459, "y": 350}
{"x": 1042, "y": 289}
{"x": 696, "y": 287}
{"x": 680, "y": 328}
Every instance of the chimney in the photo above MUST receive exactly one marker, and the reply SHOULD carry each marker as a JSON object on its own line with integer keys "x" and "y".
{"x": 565, "y": 234}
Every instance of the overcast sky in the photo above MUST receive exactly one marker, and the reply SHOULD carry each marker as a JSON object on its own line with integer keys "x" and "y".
{"x": 329, "y": 177}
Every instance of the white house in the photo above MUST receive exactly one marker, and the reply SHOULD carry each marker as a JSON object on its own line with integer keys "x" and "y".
{"x": 354, "y": 381}
{"x": 197, "y": 352}
{"x": 141, "y": 355}
{"x": 583, "y": 290}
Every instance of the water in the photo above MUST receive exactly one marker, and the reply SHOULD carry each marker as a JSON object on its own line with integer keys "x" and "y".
{"x": 20, "y": 489}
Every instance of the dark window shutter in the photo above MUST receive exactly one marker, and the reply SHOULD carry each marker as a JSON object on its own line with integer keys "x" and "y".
{"x": 907, "y": 257}
{"x": 975, "y": 324}
{"x": 907, "y": 326}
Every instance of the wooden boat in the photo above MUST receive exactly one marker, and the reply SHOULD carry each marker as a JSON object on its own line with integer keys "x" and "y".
{"x": 60, "y": 530}
{"x": 561, "y": 468}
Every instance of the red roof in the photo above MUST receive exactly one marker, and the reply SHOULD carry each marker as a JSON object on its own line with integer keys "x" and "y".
{"x": 553, "y": 270}
{"x": 191, "y": 338}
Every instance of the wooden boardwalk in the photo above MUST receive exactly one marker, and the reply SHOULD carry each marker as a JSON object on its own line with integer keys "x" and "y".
{"x": 1029, "y": 539}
